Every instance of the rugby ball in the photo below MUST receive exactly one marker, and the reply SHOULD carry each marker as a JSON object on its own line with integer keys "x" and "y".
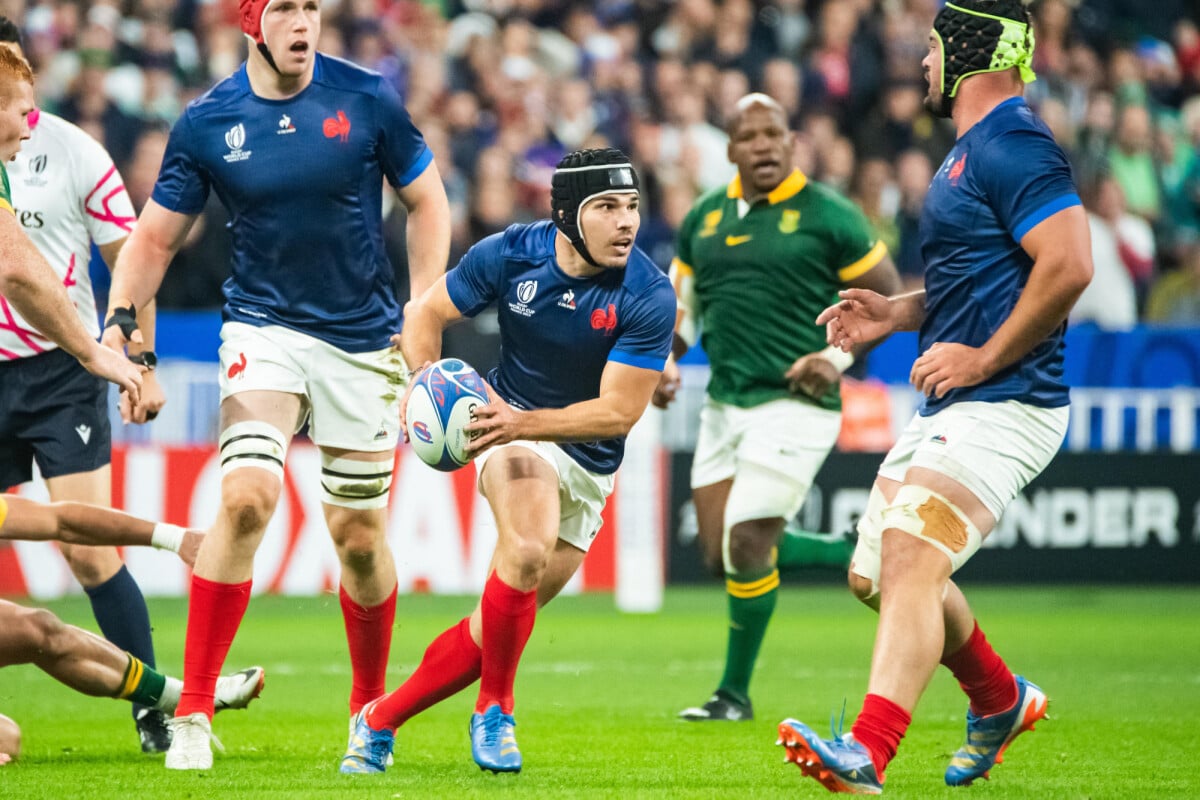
{"x": 443, "y": 401}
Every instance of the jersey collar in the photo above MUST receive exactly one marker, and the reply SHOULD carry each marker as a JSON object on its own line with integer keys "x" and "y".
{"x": 788, "y": 188}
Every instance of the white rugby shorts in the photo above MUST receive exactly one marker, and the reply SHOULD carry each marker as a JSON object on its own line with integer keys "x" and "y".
{"x": 352, "y": 399}
{"x": 581, "y": 494}
{"x": 789, "y": 437}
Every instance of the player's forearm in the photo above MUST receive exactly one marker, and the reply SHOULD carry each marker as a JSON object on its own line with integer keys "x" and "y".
{"x": 147, "y": 320}
{"x": 29, "y": 283}
{"x": 907, "y": 310}
{"x": 580, "y": 422}
{"x": 421, "y": 339}
{"x": 138, "y": 273}
{"x": 1054, "y": 286}
{"x": 428, "y": 234}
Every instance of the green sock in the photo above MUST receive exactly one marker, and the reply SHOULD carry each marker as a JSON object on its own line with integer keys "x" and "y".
{"x": 142, "y": 685}
{"x": 752, "y": 599}
{"x": 799, "y": 548}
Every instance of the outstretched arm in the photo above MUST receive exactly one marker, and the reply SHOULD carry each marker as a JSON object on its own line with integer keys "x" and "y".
{"x": 80, "y": 523}
{"x": 624, "y": 393}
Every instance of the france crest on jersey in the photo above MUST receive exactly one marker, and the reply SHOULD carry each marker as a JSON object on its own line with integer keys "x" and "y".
{"x": 557, "y": 332}
{"x": 303, "y": 181}
{"x": 1003, "y": 177}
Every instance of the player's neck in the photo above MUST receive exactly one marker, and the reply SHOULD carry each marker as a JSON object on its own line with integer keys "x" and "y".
{"x": 570, "y": 261}
{"x": 269, "y": 84}
{"x": 979, "y": 95}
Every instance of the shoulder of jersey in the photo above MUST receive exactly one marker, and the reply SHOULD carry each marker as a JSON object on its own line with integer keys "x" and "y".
{"x": 337, "y": 73}
{"x": 215, "y": 98}
{"x": 527, "y": 240}
{"x": 643, "y": 275}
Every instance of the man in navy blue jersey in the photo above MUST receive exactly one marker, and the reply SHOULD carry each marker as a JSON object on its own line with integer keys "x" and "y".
{"x": 1007, "y": 253}
{"x": 296, "y": 145}
{"x": 586, "y": 322}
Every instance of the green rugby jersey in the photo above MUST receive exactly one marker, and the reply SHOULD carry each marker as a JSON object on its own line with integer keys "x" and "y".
{"x": 761, "y": 274}
{"x": 5, "y": 191}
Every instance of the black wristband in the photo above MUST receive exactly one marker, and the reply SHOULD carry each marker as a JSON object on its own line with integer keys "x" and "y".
{"x": 125, "y": 318}
{"x": 146, "y": 358}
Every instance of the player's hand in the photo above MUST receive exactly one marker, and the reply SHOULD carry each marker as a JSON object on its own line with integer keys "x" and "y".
{"x": 668, "y": 385}
{"x": 946, "y": 365}
{"x": 120, "y": 329}
{"x": 192, "y": 539}
{"x": 494, "y": 424}
{"x": 152, "y": 401}
{"x": 811, "y": 375}
{"x": 114, "y": 366}
{"x": 408, "y": 387}
{"x": 861, "y": 316}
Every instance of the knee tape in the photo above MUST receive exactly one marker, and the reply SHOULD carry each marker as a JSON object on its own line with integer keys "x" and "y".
{"x": 865, "y": 562}
{"x": 759, "y": 493}
{"x": 929, "y": 516}
{"x": 253, "y": 444}
{"x": 355, "y": 484}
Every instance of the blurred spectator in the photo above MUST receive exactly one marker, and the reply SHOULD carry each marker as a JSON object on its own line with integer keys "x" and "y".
{"x": 914, "y": 173}
{"x": 1175, "y": 298}
{"x": 1131, "y": 162}
{"x": 877, "y": 195}
{"x": 1110, "y": 300}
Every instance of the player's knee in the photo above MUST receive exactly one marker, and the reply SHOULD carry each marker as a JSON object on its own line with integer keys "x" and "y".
{"x": 751, "y": 543}
{"x": 91, "y": 566}
{"x": 357, "y": 537}
{"x": 248, "y": 500}
{"x": 10, "y": 739}
{"x": 529, "y": 556}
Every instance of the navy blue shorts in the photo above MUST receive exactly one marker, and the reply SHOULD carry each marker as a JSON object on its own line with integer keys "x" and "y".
{"x": 53, "y": 411}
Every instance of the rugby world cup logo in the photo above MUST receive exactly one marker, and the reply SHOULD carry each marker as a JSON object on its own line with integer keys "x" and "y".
{"x": 235, "y": 137}
{"x": 526, "y": 290}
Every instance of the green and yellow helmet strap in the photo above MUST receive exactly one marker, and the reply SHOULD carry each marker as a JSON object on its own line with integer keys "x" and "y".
{"x": 982, "y": 43}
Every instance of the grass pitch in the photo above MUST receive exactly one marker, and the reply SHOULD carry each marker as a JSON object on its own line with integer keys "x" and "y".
{"x": 598, "y": 692}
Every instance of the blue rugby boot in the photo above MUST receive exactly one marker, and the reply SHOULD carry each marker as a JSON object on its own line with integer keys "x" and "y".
{"x": 493, "y": 743}
{"x": 839, "y": 764}
{"x": 988, "y": 737}
{"x": 369, "y": 750}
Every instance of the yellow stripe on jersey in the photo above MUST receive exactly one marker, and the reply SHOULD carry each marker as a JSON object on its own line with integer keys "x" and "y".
{"x": 133, "y": 676}
{"x": 756, "y": 588}
{"x": 3, "y": 511}
{"x": 788, "y": 188}
{"x": 864, "y": 264}
{"x": 682, "y": 278}
{"x": 7, "y": 206}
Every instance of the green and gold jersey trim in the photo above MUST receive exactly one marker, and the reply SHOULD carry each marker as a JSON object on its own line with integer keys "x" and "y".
{"x": 5, "y": 191}
{"x": 864, "y": 264}
{"x": 788, "y": 188}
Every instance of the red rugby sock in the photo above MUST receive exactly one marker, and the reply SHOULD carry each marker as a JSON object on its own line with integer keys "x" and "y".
{"x": 451, "y": 664}
{"x": 369, "y": 634}
{"x": 215, "y": 610}
{"x": 508, "y": 616}
{"x": 983, "y": 675}
{"x": 880, "y": 727}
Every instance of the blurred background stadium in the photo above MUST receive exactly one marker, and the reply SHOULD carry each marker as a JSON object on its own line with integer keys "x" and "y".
{"x": 502, "y": 89}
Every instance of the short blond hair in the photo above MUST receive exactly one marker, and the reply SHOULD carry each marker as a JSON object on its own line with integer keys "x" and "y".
{"x": 13, "y": 70}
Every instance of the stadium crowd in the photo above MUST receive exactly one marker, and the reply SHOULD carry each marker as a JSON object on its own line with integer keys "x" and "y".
{"x": 504, "y": 88}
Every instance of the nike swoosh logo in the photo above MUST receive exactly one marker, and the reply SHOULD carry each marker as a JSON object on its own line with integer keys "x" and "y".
{"x": 734, "y": 241}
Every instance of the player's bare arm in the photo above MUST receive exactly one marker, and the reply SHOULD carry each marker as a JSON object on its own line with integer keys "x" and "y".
{"x": 863, "y": 316}
{"x": 81, "y": 523}
{"x": 428, "y": 229}
{"x": 668, "y": 383}
{"x": 30, "y": 284}
{"x": 1060, "y": 247}
{"x": 625, "y": 392}
{"x": 153, "y": 398}
{"x": 425, "y": 317}
{"x": 141, "y": 265}
{"x": 812, "y": 374}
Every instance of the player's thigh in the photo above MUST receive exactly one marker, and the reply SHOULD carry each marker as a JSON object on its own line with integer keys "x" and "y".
{"x": 262, "y": 376}
{"x": 355, "y": 398}
{"x": 782, "y": 447}
{"x": 521, "y": 484}
{"x": 355, "y": 488}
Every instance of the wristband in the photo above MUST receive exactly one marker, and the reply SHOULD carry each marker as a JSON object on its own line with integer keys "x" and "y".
{"x": 167, "y": 537}
{"x": 125, "y": 318}
{"x": 146, "y": 358}
{"x": 840, "y": 359}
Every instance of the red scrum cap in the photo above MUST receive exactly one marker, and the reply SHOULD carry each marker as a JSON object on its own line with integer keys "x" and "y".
{"x": 251, "y": 13}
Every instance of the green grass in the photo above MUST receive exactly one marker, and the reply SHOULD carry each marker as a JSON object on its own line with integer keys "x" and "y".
{"x": 598, "y": 691}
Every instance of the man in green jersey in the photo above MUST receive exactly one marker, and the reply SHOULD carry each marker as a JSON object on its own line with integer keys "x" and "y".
{"x": 756, "y": 262}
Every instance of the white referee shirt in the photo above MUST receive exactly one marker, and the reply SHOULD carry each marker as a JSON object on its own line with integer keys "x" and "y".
{"x": 67, "y": 193}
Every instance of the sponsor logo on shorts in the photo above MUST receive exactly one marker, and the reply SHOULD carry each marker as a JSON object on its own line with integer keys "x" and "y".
{"x": 938, "y": 438}
{"x": 382, "y": 433}
{"x": 84, "y": 431}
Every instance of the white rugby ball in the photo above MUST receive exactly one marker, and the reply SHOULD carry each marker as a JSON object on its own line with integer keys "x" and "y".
{"x": 443, "y": 401}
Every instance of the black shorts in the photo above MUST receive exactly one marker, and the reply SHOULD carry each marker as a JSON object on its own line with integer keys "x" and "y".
{"x": 53, "y": 411}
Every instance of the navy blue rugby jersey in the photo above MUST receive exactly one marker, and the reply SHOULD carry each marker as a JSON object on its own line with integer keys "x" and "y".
{"x": 303, "y": 181}
{"x": 1003, "y": 177}
{"x": 557, "y": 332}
